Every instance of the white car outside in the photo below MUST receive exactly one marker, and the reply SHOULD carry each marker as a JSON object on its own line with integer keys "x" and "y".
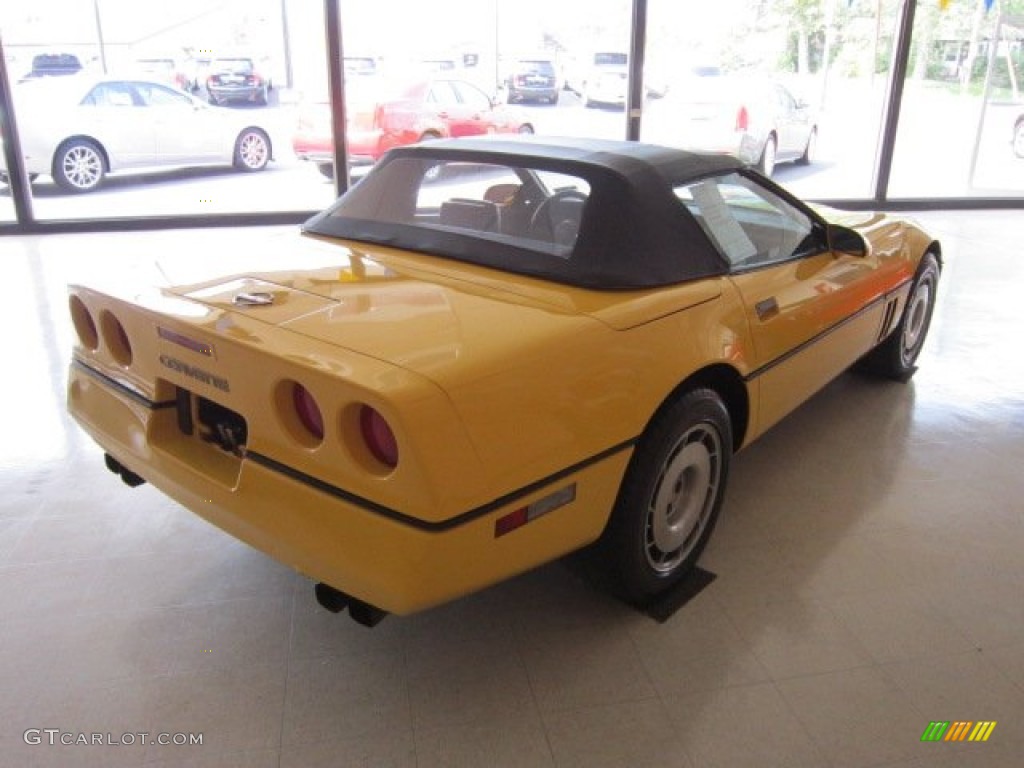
{"x": 79, "y": 129}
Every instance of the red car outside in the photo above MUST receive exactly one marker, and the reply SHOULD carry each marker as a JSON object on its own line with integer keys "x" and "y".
{"x": 378, "y": 121}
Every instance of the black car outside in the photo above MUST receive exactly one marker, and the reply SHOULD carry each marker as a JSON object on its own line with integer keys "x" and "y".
{"x": 533, "y": 80}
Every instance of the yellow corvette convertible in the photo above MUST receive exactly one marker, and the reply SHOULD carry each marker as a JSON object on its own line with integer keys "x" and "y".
{"x": 519, "y": 348}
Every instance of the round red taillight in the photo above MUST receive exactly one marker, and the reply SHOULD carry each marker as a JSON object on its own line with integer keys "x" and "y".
{"x": 378, "y": 436}
{"x": 85, "y": 326}
{"x": 308, "y": 411}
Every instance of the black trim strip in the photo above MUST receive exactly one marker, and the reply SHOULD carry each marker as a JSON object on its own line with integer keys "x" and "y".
{"x": 815, "y": 339}
{"x": 425, "y": 525}
{"x": 120, "y": 387}
{"x": 372, "y": 506}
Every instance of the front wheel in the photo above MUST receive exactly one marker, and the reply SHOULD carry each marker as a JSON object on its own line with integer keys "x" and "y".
{"x": 671, "y": 495}
{"x": 896, "y": 357}
{"x": 252, "y": 150}
{"x": 78, "y": 166}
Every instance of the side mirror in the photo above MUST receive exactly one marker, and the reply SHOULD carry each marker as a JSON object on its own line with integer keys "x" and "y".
{"x": 845, "y": 240}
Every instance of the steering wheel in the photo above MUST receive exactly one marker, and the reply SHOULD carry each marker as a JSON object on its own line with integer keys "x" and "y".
{"x": 552, "y": 213}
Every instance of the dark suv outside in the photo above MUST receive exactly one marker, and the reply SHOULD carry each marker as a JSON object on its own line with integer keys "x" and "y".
{"x": 51, "y": 64}
{"x": 533, "y": 80}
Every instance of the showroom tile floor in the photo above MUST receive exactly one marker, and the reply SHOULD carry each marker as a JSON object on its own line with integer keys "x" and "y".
{"x": 870, "y": 564}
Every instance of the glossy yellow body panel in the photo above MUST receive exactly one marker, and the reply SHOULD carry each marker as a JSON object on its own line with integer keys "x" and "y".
{"x": 834, "y": 295}
{"x": 500, "y": 389}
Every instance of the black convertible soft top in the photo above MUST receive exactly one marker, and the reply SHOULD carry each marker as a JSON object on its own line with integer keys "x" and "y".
{"x": 634, "y": 232}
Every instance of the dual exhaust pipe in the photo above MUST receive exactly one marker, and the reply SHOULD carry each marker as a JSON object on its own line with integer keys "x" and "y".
{"x": 127, "y": 476}
{"x": 336, "y": 601}
{"x": 330, "y": 598}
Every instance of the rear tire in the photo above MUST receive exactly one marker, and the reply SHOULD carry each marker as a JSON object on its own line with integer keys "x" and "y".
{"x": 252, "y": 150}
{"x": 896, "y": 357}
{"x": 670, "y": 497}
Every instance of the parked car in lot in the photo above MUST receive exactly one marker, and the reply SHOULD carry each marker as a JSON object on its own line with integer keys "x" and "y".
{"x": 360, "y": 66}
{"x": 163, "y": 69}
{"x": 757, "y": 120}
{"x": 196, "y": 68}
{"x": 237, "y": 79}
{"x": 53, "y": 65}
{"x": 532, "y": 79}
{"x": 560, "y": 344}
{"x": 80, "y": 129}
{"x": 601, "y": 78}
{"x": 382, "y": 116}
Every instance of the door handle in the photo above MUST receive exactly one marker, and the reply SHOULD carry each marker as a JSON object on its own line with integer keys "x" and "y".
{"x": 767, "y": 308}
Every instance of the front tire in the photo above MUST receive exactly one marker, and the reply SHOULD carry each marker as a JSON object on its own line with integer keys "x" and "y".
{"x": 78, "y": 166}
{"x": 252, "y": 150}
{"x": 896, "y": 357}
{"x": 671, "y": 496}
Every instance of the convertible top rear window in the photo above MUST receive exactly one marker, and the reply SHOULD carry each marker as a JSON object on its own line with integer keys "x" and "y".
{"x": 523, "y": 208}
{"x": 596, "y": 214}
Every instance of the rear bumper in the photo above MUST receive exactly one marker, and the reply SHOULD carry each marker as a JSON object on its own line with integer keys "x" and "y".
{"x": 364, "y": 148}
{"x": 714, "y": 137}
{"x": 236, "y": 93}
{"x": 375, "y": 555}
{"x": 533, "y": 92}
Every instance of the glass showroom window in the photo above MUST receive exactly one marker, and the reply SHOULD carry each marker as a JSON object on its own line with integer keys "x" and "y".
{"x": 465, "y": 67}
{"x": 794, "y": 88}
{"x": 961, "y": 130}
{"x": 144, "y": 108}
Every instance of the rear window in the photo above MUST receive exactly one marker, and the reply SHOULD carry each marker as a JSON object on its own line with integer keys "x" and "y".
{"x": 485, "y": 213}
{"x": 242, "y": 66}
{"x": 529, "y": 208}
{"x": 536, "y": 67}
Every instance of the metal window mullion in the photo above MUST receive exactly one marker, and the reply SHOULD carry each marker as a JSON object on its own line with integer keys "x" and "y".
{"x": 17, "y": 179}
{"x": 894, "y": 100}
